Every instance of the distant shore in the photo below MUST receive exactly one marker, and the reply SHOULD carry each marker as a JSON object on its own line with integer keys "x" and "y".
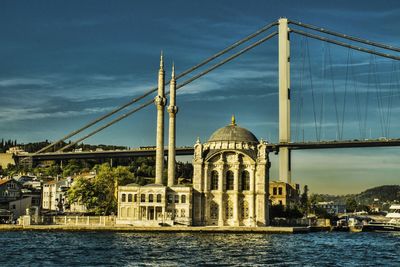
{"x": 209, "y": 229}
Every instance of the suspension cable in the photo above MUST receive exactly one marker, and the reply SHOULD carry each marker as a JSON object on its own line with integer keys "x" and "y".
{"x": 177, "y": 87}
{"x": 335, "y": 100}
{"x": 345, "y": 92}
{"x": 312, "y": 88}
{"x": 362, "y": 49}
{"x": 345, "y": 36}
{"x": 222, "y": 52}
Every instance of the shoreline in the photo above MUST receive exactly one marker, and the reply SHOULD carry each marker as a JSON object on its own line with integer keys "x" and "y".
{"x": 172, "y": 229}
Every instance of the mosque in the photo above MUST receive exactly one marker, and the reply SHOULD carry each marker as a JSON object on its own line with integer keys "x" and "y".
{"x": 230, "y": 178}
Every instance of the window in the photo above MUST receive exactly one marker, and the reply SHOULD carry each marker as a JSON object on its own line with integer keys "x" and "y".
{"x": 245, "y": 180}
{"x": 159, "y": 198}
{"x": 176, "y": 199}
{"x": 151, "y": 198}
{"x": 229, "y": 180}
{"x": 135, "y": 198}
{"x": 123, "y": 197}
{"x": 274, "y": 191}
{"x": 214, "y": 180}
{"x": 183, "y": 200}
{"x": 214, "y": 210}
{"x": 170, "y": 198}
{"x": 129, "y": 197}
{"x": 182, "y": 212}
{"x": 142, "y": 198}
{"x": 280, "y": 191}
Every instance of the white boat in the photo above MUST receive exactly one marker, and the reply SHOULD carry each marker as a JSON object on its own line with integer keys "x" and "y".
{"x": 394, "y": 214}
{"x": 393, "y": 223}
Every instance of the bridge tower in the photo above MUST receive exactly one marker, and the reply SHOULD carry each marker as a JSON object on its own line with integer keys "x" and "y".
{"x": 284, "y": 100}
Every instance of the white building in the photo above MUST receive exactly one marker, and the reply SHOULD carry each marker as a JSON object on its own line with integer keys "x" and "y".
{"x": 54, "y": 195}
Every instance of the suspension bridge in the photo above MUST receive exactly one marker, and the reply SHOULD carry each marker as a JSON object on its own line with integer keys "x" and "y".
{"x": 284, "y": 29}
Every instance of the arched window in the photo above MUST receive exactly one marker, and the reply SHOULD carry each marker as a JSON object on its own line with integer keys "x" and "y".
{"x": 183, "y": 200}
{"x": 123, "y": 197}
{"x": 129, "y": 199}
{"x": 142, "y": 198}
{"x": 229, "y": 180}
{"x": 135, "y": 198}
{"x": 245, "y": 180}
{"x": 214, "y": 210}
{"x": 151, "y": 198}
{"x": 214, "y": 180}
{"x": 176, "y": 199}
{"x": 159, "y": 198}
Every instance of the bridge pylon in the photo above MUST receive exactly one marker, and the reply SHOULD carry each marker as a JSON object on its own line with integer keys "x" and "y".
{"x": 284, "y": 100}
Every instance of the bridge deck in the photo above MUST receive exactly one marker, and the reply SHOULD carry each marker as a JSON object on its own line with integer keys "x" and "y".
{"x": 182, "y": 151}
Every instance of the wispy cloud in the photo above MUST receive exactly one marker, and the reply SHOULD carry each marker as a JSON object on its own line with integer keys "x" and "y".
{"x": 20, "y": 114}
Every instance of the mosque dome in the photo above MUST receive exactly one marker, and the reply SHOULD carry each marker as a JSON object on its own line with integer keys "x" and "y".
{"x": 233, "y": 132}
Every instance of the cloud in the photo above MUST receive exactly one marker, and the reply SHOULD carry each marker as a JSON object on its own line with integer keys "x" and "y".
{"x": 23, "y": 82}
{"x": 20, "y": 114}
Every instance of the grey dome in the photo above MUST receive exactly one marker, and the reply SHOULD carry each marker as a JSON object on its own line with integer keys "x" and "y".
{"x": 233, "y": 132}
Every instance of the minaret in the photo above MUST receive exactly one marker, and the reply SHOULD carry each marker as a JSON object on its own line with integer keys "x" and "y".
{"x": 160, "y": 102}
{"x": 172, "y": 110}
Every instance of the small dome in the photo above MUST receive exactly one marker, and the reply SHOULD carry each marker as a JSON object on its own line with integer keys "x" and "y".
{"x": 233, "y": 132}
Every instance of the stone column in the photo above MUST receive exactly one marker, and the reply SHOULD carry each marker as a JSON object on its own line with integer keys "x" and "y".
{"x": 221, "y": 195}
{"x": 160, "y": 102}
{"x": 252, "y": 196}
{"x": 236, "y": 196}
{"x": 172, "y": 110}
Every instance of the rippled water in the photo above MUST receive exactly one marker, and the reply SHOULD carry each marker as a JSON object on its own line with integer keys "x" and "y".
{"x": 167, "y": 249}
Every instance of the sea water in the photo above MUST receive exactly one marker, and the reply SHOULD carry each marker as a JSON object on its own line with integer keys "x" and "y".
{"x": 194, "y": 249}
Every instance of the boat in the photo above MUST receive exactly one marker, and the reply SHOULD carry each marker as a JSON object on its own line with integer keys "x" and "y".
{"x": 354, "y": 225}
{"x": 350, "y": 223}
{"x": 392, "y": 223}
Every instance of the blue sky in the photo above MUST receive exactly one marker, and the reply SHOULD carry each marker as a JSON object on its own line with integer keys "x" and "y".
{"x": 64, "y": 63}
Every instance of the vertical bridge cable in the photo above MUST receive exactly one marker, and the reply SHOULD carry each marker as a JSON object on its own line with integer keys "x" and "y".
{"x": 356, "y": 96}
{"x": 378, "y": 93}
{"x": 312, "y": 90}
{"x": 299, "y": 92}
{"x": 345, "y": 92}
{"x": 222, "y": 52}
{"x": 338, "y": 134}
{"x": 391, "y": 97}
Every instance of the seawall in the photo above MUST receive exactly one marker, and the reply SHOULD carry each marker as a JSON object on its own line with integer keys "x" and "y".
{"x": 174, "y": 229}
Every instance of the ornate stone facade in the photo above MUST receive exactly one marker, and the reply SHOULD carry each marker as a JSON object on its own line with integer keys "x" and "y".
{"x": 231, "y": 179}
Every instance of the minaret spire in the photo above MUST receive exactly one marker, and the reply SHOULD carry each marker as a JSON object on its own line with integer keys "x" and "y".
{"x": 160, "y": 102}
{"x": 172, "y": 110}
{"x": 161, "y": 60}
{"x": 233, "y": 120}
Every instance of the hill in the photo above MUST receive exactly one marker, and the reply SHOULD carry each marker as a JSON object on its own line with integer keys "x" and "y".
{"x": 385, "y": 193}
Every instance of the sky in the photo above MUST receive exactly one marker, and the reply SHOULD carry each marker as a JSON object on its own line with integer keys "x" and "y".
{"x": 65, "y": 63}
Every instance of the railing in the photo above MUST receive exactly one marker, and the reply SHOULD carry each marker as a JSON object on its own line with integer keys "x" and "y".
{"x": 74, "y": 220}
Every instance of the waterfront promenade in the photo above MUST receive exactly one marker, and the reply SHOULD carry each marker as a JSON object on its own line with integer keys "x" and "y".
{"x": 174, "y": 229}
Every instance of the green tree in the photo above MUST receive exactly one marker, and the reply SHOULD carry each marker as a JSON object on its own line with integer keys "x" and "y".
{"x": 98, "y": 193}
{"x": 351, "y": 204}
{"x": 304, "y": 200}
{"x": 72, "y": 168}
